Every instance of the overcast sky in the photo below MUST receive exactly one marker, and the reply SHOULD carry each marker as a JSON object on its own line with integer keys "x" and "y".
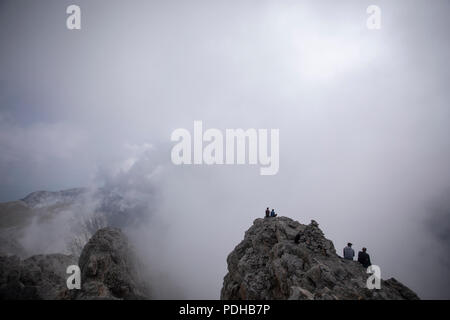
{"x": 364, "y": 121}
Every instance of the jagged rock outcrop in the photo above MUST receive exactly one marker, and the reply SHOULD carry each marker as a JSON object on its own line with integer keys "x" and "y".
{"x": 268, "y": 264}
{"x": 46, "y": 198}
{"x": 40, "y": 277}
{"x": 109, "y": 268}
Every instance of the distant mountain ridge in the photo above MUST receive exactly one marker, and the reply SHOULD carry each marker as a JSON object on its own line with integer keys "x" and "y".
{"x": 73, "y": 214}
{"x": 267, "y": 264}
{"x": 39, "y": 198}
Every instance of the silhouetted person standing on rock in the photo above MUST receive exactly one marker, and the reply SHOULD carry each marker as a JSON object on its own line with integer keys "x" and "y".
{"x": 348, "y": 252}
{"x": 267, "y": 212}
{"x": 364, "y": 258}
{"x": 273, "y": 214}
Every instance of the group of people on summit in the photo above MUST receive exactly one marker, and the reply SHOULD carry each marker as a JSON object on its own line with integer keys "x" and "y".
{"x": 270, "y": 213}
{"x": 363, "y": 256}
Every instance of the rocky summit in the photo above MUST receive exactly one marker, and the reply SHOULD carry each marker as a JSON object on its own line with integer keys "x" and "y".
{"x": 269, "y": 264}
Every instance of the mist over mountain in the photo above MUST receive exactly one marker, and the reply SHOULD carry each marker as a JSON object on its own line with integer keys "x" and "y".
{"x": 363, "y": 118}
{"x": 63, "y": 221}
{"x": 279, "y": 258}
{"x": 34, "y": 235}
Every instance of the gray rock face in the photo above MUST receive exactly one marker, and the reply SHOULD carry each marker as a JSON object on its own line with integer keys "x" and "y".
{"x": 109, "y": 269}
{"x": 268, "y": 264}
{"x": 40, "y": 277}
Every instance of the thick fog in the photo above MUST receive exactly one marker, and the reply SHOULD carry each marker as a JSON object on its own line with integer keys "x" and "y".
{"x": 363, "y": 116}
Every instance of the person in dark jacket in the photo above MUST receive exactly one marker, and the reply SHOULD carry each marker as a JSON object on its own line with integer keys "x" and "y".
{"x": 364, "y": 258}
{"x": 272, "y": 213}
{"x": 267, "y": 212}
